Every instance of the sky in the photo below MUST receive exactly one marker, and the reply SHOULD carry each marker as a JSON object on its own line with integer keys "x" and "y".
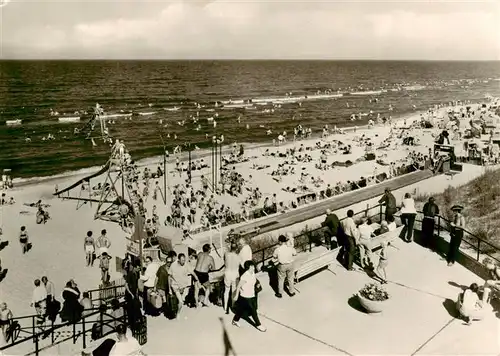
{"x": 250, "y": 29}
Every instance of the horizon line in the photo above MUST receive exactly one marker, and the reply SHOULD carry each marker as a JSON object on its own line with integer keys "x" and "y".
{"x": 250, "y": 59}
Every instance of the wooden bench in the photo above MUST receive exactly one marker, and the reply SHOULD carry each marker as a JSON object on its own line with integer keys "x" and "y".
{"x": 375, "y": 242}
{"x": 388, "y": 237}
{"x": 314, "y": 264}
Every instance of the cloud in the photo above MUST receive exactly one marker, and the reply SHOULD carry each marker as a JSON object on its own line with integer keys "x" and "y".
{"x": 266, "y": 29}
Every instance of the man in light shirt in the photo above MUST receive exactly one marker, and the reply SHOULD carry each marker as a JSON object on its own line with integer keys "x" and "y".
{"x": 148, "y": 279}
{"x": 351, "y": 235}
{"x": 245, "y": 254}
{"x": 181, "y": 274}
{"x": 365, "y": 234}
{"x": 39, "y": 300}
{"x": 284, "y": 256}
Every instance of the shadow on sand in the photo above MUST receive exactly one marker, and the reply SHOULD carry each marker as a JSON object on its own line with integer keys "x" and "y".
{"x": 3, "y": 274}
{"x": 3, "y": 245}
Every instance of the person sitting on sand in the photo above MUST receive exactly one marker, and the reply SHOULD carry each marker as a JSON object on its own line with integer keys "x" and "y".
{"x": 42, "y": 216}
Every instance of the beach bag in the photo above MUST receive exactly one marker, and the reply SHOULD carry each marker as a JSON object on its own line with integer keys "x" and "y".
{"x": 217, "y": 294}
{"x": 140, "y": 285}
{"x": 155, "y": 299}
{"x": 258, "y": 287}
{"x": 53, "y": 308}
{"x": 171, "y": 306}
{"x": 190, "y": 300}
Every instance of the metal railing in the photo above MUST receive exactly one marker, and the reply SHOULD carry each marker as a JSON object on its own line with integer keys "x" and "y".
{"x": 40, "y": 331}
{"x": 106, "y": 292}
{"x": 306, "y": 239}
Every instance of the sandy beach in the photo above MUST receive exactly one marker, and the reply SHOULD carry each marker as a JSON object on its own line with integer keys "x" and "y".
{"x": 58, "y": 251}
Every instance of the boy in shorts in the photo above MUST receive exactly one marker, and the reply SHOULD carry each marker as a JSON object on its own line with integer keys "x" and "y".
{"x": 104, "y": 266}
{"x": 23, "y": 239}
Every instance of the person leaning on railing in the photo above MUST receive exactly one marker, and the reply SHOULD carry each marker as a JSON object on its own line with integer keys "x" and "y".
{"x": 457, "y": 233}
{"x": 431, "y": 210}
{"x": 390, "y": 203}
{"x": 332, "y": 222}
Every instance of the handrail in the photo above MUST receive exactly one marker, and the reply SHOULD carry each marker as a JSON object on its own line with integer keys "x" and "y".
{"x": 308, "y": 232}
{"x": 54, "y": 327}
{"x": 381, "y": 214}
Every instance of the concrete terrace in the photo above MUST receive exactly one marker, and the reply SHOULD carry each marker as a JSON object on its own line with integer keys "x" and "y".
{"x": 325, "y": 319}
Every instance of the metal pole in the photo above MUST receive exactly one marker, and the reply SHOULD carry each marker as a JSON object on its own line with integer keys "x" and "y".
{"x": 215, "y": 165}
{"x": 213, "y": 179}
{"x": 123, "y": 178}
{"x": 220, "y": 157}
{"x": 189, "y": 170}
{"x": 164, "y": 177}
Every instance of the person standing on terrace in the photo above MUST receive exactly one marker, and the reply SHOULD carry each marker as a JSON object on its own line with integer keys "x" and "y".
{"x": 245, "y": 297}
{"x": 284, "y": 256}
{"x": 431, "y": 210}
{"x": 245, "y": 254}
{"x": 204, "y": 265}
{"x": 457, "y": 234}
{"x": 332, "y": 222}
{"x": 231, "y": 273}
{"x": 390, "y": 203}
{"x": 408, "y": 214}
{"x": 351, "y": 234}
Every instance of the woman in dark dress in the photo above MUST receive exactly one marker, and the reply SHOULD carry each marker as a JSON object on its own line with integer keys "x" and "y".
{"x": 72, "y": 309}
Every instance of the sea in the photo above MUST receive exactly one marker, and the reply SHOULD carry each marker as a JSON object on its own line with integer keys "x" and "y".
{"x": 165, "y": 99}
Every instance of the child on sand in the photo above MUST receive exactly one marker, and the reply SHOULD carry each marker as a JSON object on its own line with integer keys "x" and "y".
{"x": 104, "y": 266}
{"x": 23, "y": 239}
{"x": 382, "y": 263}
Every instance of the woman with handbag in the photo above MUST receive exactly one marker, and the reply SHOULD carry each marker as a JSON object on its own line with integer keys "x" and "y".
{"x": 246, "y": 296}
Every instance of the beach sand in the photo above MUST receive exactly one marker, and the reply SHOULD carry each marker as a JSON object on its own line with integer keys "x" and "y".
{"x": 58, "y": 245}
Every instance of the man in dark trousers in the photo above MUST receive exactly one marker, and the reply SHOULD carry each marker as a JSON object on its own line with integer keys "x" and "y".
{"x": 431, "y": 210}
{"x": 350, "y": 235}
{"x": 390, "y": 203}
{"x": 332, "y": 222}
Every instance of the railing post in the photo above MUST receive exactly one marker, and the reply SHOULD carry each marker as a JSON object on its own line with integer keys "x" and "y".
{"x": 74, "y": 332}
{"x": 33, "y": 323}
{"x": 36, "y": 345}
{"x": 52, "y": 332}
{"x": 380, "y": 212}
{"x": 478, "y": 246}
{"x": 439, "y": 225}
{"x": 83, "y": 332}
